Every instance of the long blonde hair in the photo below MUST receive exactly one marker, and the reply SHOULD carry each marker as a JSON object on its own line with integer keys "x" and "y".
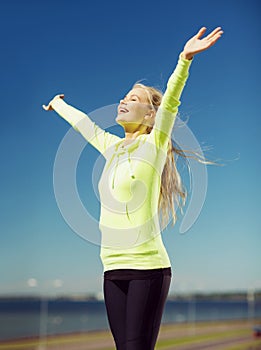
{"x": 172, "y": 188}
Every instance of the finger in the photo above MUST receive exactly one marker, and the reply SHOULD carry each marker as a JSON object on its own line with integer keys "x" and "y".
{"x": 201, "y": 32}
{"x": 44, "y": 107}
{"x": 216, "y": 37}
{"x": 213, "y": 40}
{"x": 215, "y": 31}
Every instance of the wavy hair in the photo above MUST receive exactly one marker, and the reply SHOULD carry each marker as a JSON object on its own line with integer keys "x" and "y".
{"x": 172, "y": 189}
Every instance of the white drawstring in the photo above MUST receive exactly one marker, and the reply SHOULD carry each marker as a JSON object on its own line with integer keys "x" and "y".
{"x": 131, "y": 170}
{"x": 130, "y": 167}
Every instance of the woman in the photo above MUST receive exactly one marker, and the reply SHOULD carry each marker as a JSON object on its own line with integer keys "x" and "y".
{"x": 136, "y": 181}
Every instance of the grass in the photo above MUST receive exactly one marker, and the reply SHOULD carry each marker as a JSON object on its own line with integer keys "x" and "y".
{"x": 192, "y": 339}
{"x": 171, "y": 336}
{"x": 253, "y": 345}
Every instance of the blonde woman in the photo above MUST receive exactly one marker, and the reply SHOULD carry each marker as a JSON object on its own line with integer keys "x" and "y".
{"x": 139, "y": 179}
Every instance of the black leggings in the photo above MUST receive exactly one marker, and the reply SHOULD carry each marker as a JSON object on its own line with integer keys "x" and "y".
{"x": 134, "y": 309}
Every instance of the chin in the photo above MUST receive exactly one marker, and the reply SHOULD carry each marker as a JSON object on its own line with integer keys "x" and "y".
{"x": 119, "y": 120}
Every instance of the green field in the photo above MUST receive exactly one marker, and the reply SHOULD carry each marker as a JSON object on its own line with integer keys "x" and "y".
{"x": 225, "y": 335}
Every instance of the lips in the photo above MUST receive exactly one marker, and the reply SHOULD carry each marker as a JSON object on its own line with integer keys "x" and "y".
{"x": 123, "y": 110}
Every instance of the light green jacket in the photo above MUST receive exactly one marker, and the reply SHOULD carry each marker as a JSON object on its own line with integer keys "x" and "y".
{"x": 129, "y": 186}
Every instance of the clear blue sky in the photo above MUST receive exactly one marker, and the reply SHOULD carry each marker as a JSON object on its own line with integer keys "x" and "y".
{"x": 93, "y": 52}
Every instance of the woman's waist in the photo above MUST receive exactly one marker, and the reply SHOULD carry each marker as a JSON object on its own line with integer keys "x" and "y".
{"x": 123, "y": 217}
{"x": 131, "y": 238}
{"x": 126, "y": 274}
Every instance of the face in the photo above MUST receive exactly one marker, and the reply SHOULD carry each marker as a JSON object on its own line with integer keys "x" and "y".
{"x": 133, "y": 109}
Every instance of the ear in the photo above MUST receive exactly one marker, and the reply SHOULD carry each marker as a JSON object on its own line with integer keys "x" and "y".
{"x": 150, "y": 114}
{"x": 150, "y": 118}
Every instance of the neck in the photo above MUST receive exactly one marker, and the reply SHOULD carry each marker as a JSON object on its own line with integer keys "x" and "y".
{"x": 132, "y": 135}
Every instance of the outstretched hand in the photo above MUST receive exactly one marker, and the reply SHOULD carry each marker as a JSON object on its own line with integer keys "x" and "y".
{"x": 49, "y": 106}
{"x": 196, "y": 45}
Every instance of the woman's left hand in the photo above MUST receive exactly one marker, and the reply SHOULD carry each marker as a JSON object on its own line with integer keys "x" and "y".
{"x": 196, "y": 45}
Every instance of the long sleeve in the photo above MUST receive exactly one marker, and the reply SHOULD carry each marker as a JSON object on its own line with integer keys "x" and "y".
{"x": 168, "y": 109}
{"x": 96, "y": 136}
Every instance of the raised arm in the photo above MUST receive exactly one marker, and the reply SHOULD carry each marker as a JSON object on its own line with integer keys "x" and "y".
{"x": 168, "y": 109}
{"x": 80, "y": 121}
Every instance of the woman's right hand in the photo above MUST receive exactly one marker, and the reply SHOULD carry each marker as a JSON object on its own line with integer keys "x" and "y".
{"x": 49, "y": 107}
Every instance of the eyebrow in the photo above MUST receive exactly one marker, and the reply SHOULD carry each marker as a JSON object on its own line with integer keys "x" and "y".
{"x": 134, "y": 95}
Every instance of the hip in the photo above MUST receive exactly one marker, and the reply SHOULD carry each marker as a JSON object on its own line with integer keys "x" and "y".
{"x": 129, "y": 274}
